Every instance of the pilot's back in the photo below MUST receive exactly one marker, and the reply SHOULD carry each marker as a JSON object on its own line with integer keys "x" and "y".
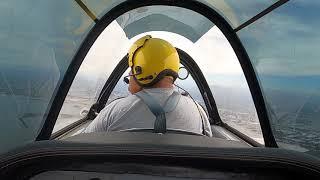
{"x": 131, "y": 112}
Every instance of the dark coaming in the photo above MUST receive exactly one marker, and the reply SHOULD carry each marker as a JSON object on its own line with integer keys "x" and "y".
{"x": 196, "y": 6}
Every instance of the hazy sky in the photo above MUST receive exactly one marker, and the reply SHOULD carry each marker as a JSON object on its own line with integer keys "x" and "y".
{"x": 212, "y": 52}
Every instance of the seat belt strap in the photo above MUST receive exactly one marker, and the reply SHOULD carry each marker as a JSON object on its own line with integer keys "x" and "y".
{"x": 160, "y": 125}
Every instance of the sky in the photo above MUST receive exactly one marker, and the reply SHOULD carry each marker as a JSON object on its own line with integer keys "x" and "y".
{"x": 212, "y": 52}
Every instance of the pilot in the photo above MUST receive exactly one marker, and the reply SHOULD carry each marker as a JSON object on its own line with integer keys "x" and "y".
{"x": 153, "y": 105}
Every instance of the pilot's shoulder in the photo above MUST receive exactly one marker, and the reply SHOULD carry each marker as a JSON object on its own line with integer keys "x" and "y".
{"x": 124, "y": 101}
{"x": 121, "y": 104}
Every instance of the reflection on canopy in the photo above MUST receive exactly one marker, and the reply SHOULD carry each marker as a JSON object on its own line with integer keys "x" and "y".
{"x": 162, "y": 18}
{"x": 37, "y": 45}
{"x": 234, "y": 13}
{"x": 284, "y": 49}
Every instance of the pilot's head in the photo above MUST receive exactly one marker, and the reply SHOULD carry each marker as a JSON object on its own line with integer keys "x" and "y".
{"x": 154, "y": 63}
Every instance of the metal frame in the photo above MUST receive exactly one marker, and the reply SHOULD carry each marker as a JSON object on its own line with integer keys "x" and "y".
{"x": 87, "y": 10}
{"x": 202, "y": 84}
{"x": 193, "y": 5}
{"x": 261, "y": 14}
{"x": 111, "y": 83}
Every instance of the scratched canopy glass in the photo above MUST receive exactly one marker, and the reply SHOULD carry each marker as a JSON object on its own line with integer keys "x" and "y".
{"x": 37, "y": 45}
{"x": 284, "y": 49}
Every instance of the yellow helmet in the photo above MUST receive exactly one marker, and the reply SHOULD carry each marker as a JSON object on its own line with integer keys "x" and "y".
{"x": 151, "y": 59}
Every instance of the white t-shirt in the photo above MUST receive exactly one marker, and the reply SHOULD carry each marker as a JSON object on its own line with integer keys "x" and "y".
{"x": 131, "y": 112}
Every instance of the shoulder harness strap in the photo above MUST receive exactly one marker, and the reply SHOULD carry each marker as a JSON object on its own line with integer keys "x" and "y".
{"x": 160, "y": 125}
